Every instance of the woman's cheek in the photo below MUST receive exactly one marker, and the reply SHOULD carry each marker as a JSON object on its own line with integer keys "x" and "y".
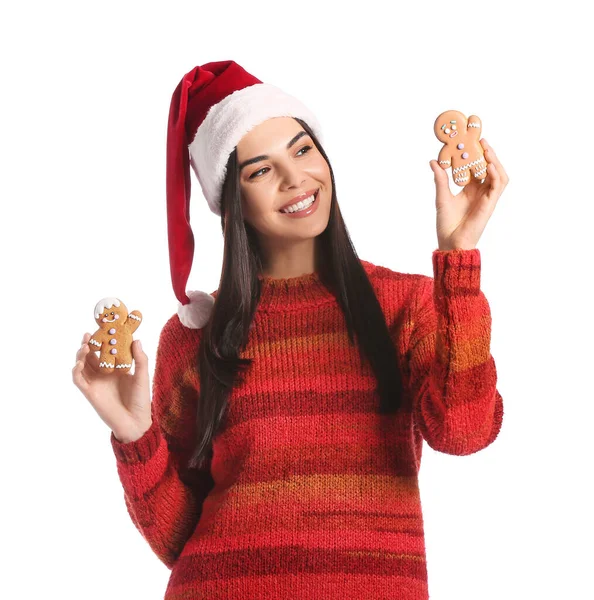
{"x": 319, "y": 169}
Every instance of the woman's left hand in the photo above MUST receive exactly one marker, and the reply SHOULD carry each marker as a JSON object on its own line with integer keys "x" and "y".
{"x": 461, "y": 219}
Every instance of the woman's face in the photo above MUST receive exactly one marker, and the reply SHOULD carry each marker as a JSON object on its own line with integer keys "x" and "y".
{"x": 277, "y": 176}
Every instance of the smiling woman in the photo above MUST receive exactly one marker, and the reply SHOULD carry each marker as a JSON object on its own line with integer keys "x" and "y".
{"x": 281, "y": 450}
{"x": 285, "y": 177}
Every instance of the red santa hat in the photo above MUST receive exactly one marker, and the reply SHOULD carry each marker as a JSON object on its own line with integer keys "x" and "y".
{"x": 212, "y": 108}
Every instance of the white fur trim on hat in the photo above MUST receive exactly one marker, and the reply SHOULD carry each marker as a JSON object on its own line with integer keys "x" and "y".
{"x": 228, "y": 121}
{"x": 196, "y": 314}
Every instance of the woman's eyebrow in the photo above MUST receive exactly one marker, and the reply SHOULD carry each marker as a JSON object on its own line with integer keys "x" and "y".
{"x": 250, "y": 161}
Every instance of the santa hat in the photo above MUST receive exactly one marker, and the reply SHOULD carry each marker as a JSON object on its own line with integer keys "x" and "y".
{"x": 212, "y": 108}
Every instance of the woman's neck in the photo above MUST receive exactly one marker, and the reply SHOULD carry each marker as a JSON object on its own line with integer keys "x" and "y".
{"x": 291, "y": 260}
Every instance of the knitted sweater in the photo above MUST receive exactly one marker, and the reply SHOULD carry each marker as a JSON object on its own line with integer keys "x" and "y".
{"x": 311, "y": 492}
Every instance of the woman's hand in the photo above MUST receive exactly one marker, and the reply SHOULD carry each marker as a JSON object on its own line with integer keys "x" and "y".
{"x": 122, "y": 400}
{"x": 461, "y": 219}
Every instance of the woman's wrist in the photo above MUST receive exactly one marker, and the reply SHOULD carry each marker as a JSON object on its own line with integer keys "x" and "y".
{"x": 129, "y": 437}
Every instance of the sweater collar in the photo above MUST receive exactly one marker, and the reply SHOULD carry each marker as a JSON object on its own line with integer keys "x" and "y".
{"x": 279, "y": 294}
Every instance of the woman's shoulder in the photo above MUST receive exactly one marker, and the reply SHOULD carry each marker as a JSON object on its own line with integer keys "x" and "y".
{"x": 395, "y": 290}
{"x": 176, "y": 329}
{"x": 178, "y": 341}
{"x": 385, "y": 276}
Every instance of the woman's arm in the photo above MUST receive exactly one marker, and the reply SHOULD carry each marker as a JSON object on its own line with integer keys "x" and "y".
{"x": 456, "y": 405}
{"x": 164, "y": 508}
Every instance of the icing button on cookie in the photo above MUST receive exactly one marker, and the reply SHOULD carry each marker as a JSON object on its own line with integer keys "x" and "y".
{"x": 113, "y": 341}
{"x": 460, "y": 146}
{"x": 112, "y": 331}
{"x": 114, "y": 351}
{"x": 465, "y": 155}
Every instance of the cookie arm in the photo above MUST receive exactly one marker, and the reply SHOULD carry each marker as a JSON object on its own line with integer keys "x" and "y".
{"x": 133, "y": 321}
{"x": 474, "y": 127}
{"x": 445, "y": 158}
{"x": 93, "y": 342}
{"x": 163, "y": 499}
{"x": 456, "y": 405}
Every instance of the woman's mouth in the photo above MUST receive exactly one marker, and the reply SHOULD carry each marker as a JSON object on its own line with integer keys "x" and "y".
{"x": 304, "y": 208}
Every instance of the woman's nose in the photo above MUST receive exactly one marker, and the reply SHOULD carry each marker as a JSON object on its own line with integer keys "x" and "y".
{"x": 294, "y": 180}
{"x": 292, "y": 176}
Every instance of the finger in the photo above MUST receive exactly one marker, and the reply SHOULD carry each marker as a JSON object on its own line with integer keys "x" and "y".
{"x": 140, "y": 358}
{"x": 78, "y": 378}
{"x": 493, "y": 177}
{"x": 86, "y": 353}
{"x": 92, "y": 358}
{"x": 86, "y": 338}
{"x": 437, "y": 168}
{"x": 491, "y": 157}
{"x": 82, "y": 351}
{"x": 440, "y": 177}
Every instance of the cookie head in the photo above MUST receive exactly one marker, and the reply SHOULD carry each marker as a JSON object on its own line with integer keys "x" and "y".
{"x": 449, "y": 125}
{"x": 109, "y": 311}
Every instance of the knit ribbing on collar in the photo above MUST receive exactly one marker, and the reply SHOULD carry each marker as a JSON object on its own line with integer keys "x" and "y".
{"x": 293, "y": 293}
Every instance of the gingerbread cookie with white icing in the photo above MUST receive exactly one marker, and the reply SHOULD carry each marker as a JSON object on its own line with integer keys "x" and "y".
{"x": 113, "y": 339}
{"x": 462, "y": 150}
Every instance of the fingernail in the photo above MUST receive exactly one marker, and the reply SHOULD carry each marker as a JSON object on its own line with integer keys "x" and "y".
{"x": 139, "y": 346}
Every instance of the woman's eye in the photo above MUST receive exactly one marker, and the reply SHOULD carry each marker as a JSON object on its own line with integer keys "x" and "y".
{"x": 255, "y": 174}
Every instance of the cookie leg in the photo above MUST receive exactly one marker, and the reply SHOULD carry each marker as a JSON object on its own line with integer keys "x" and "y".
{"x": 123, "y": 358}
{"x": 461, "y": 177}
{"x": 106, "y": 362}
{"x": 479, "y": 170}
{"x": 125, "y": 365}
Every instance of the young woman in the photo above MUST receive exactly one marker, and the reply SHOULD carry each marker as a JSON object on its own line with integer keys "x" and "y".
{"x": 280, "y": 454}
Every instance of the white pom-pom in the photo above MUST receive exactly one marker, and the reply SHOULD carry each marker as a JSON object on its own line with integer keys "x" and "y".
{"x": 196, "y": 314}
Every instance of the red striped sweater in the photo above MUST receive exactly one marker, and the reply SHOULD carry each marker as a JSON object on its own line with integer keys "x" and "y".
{"x": 314, "y": 494}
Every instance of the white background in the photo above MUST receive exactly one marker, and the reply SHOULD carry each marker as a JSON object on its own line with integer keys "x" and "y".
{"x": 86, "y": 92}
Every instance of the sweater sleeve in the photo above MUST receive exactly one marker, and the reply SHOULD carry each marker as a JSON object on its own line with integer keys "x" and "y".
{"x": 456, "y": 405}
{"x": 163, "y": 500}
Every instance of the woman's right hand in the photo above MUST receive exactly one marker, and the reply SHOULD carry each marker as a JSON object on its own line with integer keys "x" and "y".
{"x": 122, "y": 400}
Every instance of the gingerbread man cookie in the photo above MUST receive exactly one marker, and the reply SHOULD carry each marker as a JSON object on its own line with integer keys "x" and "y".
{"x": 114, "y": 337}
{"x": 462, "y": 150}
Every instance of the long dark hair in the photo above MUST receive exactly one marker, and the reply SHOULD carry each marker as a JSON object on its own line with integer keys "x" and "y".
{"x": 236, "y": 300}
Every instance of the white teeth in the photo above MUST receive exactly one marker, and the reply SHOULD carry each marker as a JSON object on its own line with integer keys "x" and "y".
{"x": 300, "y": 205}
